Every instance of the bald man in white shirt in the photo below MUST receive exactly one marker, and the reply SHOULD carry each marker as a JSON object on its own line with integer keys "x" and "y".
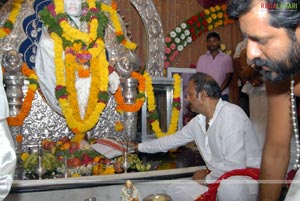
{"x": 225, "y": 139}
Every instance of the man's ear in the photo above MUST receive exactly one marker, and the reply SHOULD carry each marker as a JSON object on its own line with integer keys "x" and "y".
{"x": 203, "y": 94}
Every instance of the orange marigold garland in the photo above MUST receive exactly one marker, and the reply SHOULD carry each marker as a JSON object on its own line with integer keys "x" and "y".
{"x": 26, "y": 106}
{"x": 121, "y": 106}
{"x": 19, "y": 138}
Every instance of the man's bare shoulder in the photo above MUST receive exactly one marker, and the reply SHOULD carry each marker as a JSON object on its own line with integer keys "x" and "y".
{"x": 282, "y": 88}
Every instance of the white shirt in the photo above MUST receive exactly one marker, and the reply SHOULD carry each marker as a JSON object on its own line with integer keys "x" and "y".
{"x": 7, "y": 151}
{"x": 229, "y": 143}
{"x": 4, "y": 110}
{"x": 242, "y": 45}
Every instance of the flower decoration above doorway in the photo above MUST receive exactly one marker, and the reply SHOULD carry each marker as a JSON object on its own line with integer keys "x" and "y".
{"x": 190, "y": 29}
{"x": 209, "y": 3}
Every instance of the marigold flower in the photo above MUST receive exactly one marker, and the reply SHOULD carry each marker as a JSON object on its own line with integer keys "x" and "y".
{"x": 19, "y": 138}
{"x": 24, "y": 156}
{"x": 212, "y": 9}
{"x": 220, "y": 15}
{"x": 119, "y": 126}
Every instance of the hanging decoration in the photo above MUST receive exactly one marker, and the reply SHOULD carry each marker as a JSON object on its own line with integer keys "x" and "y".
{"x": 123, "y": 107}
{"x": 26, "y": 106}
{"x": 66, "y": 91}
{"x": 8, "y": 25}
{"x": 176, "y": 105}
{"x": 192, "y": 28}
{"x": 84, "y": 56}
{"x": 112, "y": 10}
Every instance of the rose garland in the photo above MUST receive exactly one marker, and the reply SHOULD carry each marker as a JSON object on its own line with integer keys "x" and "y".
{"x": 9, "y": 23}
{"x": 121, "y": 106}
{"x": 26, "y": 106}
{"x": 153, "y": 115}
{"x": 189, "y": 30}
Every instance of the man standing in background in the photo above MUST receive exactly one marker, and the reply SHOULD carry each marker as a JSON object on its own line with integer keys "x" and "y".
{"x": 216, "y": 63}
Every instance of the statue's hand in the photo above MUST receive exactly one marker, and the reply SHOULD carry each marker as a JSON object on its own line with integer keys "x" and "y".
{"x": 113, "y": 82}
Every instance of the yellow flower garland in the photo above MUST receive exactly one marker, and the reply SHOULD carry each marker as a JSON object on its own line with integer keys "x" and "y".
{"x": 66, "y": 71}
{"x": 116, "y": 23}
{"x": 99, "y": 83}
{"x": 72, "y": 34}
{"x": 152, "y": 106}
{"x": 16, "y": 7}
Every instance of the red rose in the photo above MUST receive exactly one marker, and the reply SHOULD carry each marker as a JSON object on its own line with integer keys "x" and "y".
{"x": 195, "y": 18}
{"x": 192, "y": 30}
{"x": 202, "y": 14}
{"x": 190, "y": 22}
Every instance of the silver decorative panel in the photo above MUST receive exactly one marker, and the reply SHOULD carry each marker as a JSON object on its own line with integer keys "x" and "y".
{"x": 156, "y": 41}
{"x": 42, "y": 121}
{"x": 13, "y": 40}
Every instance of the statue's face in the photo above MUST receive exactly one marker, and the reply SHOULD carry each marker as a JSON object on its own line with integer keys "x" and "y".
{"x": 12, "y": 61}
{"x": 128, "y": 184}
{"x": 73, "y": 7}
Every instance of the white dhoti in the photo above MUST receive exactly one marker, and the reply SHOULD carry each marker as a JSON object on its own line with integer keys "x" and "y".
{"x": 7, "y": 147}
{"x": 7, "y": 159}
{"x": 294, "y": 191}
{"x": 235, "y": 188}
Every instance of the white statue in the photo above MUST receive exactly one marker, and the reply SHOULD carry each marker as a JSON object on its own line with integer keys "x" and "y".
{"x": 45, "y": 67}
{"x": 130, "y": 192}
{"x": 73, "y": 8}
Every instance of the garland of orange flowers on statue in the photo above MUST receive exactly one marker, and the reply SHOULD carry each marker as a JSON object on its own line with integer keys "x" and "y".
{"x": 66, "y": 93}
{"x": 153, "y": 115}
{"x": 26, "y": 106}
{"x": 121, "y": 106}
{"x": 9, "y": 23}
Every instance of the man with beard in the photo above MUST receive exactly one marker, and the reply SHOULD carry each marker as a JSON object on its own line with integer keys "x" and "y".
{"x": 216, "y": 63}
{"x": 273, "y": 33}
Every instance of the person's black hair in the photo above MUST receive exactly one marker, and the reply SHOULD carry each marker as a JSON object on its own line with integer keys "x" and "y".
{"x": 281, "y": 16}
{"x": 213, "y": 35}
{"x": 204, "y": 82}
